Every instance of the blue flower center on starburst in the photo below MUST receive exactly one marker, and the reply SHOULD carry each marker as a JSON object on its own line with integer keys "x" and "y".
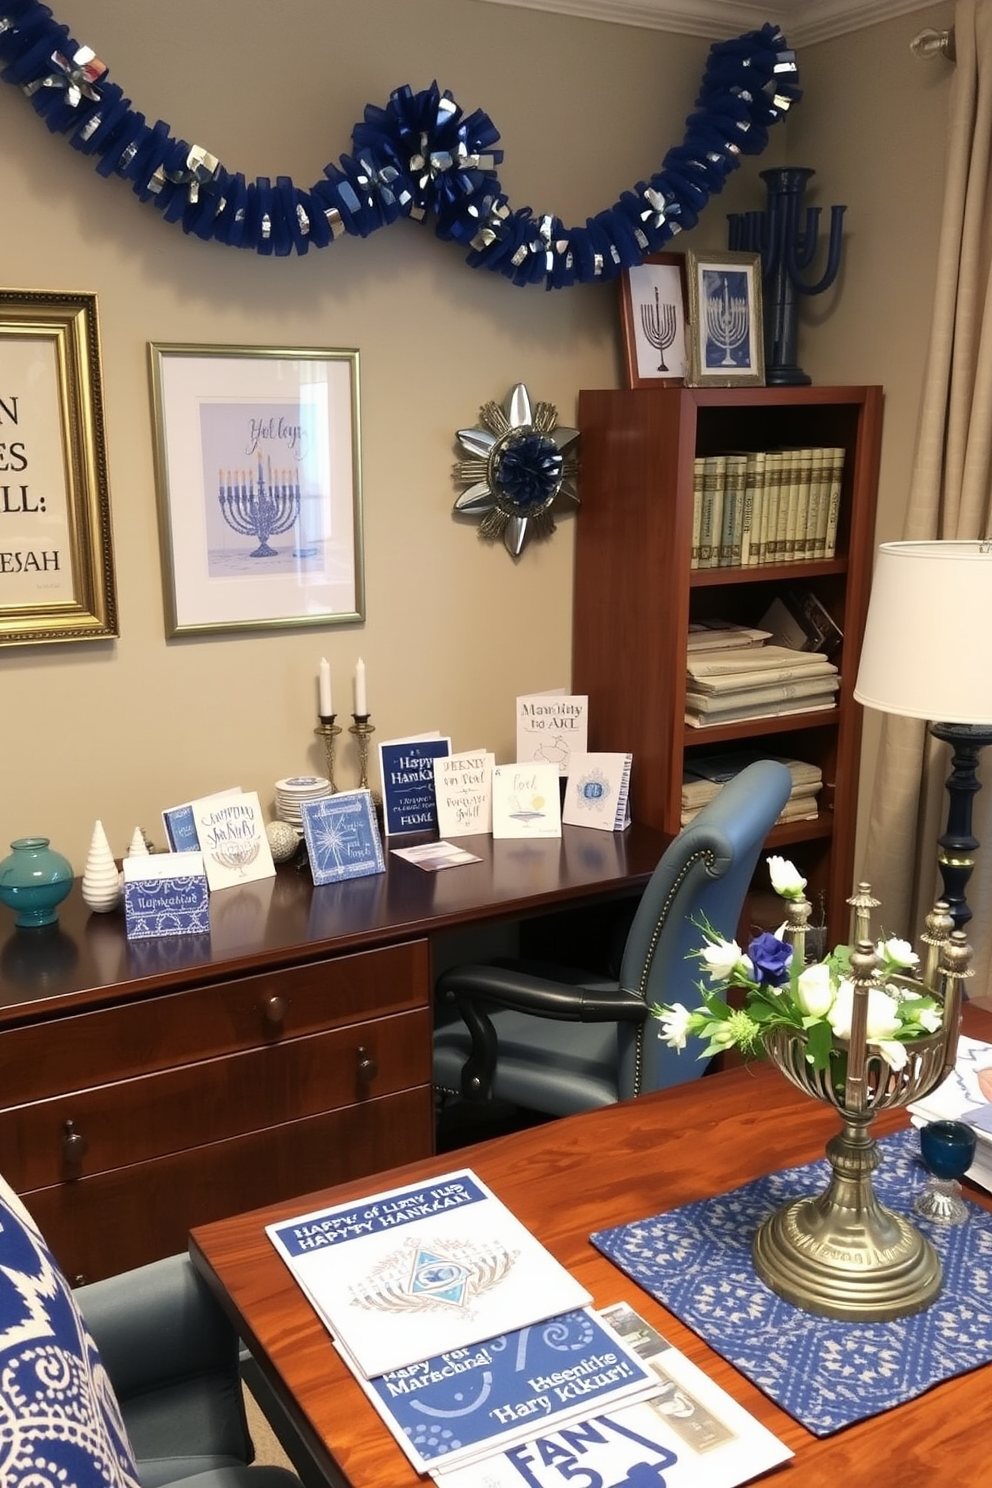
{"x": 529, "y": 470}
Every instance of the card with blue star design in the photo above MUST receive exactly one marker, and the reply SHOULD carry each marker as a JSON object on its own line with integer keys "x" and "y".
{"x": 411, "y": 1272}
{"x": 342, "y": 836}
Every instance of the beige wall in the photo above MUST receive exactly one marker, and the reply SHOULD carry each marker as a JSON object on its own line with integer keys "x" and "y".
{"x": 873, "y": 123}
{"x": 455, "y": 629}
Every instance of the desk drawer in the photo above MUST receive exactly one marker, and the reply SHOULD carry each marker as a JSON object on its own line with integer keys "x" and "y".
{"x": 117, "y": 1220}
{"x": 85, "y": 1049}
{"x": 134, "y": 1120}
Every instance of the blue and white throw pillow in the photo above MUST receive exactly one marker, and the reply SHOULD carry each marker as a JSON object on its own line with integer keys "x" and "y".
{"x": 60, "y": 1424}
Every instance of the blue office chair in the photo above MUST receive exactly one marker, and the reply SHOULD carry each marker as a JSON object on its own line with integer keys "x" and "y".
{"x": 557, "y": 1041}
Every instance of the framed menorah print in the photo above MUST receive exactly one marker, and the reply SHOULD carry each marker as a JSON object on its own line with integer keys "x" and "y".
{"x": 726, "y": 346}
{"x": 258, "y": 474}
{"x": 653, "y": 321}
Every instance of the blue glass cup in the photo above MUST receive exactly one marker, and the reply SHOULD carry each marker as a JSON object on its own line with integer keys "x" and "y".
{"x": 948, "y": 1150}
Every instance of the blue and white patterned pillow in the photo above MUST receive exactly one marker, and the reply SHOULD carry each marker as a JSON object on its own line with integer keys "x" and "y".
{"x": 60, "y": 1424}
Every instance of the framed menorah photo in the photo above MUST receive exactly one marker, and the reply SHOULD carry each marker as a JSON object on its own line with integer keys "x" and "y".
{"x": 726, "y": 347}
{"x": 653, "y": 321}
{"x": 258, "y": 472}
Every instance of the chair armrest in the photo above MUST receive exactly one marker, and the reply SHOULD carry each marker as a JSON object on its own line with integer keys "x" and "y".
{"x": 470, "y": 988}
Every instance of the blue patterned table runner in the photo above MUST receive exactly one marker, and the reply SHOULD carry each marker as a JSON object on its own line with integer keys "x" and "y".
{"x": 696, "y": 1261}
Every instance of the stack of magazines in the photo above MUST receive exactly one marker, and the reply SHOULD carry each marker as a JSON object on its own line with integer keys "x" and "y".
{"x": 479, "y": 1351}
{"x": 703, "y": 775}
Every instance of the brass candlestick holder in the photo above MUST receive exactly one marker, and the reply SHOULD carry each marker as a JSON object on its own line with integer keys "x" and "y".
{"x": 327, "y": 731}
{"x": 363, "y": 731}
{"x": 843, "y": 1254}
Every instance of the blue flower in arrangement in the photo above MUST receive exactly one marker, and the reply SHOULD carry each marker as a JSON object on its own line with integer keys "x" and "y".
{"x": 419, "y": 156}
{"x": 776, "y": 991}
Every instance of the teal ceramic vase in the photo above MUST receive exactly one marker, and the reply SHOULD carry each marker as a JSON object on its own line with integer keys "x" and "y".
{"x": 33, "y": 881}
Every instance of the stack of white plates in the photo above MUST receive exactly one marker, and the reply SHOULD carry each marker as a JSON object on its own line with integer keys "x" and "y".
{"x": 295, "y": 789}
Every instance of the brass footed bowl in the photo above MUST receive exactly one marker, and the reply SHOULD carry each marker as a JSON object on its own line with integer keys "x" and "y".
{"x": 843, "y": 1254}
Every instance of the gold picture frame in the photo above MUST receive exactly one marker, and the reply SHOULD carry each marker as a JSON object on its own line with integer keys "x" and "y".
{"x": 726, "y": 334}
{"x": 56, "y": 549}
{"x": 653, "y": 321}
{"x": 258, "y": 472}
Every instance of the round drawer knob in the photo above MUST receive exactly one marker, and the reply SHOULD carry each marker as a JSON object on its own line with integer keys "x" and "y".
{"x": 74, "y": 1144}
{"x": 367, "y": 1067}
{"x": 275, "y": 1008}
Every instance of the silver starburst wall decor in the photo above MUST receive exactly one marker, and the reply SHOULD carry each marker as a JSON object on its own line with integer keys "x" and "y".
{"x": 519, "y": 462}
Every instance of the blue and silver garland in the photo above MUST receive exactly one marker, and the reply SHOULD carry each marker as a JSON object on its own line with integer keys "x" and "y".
{"x": 417, "y": 157}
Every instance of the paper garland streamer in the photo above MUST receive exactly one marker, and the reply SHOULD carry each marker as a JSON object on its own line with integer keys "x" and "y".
{"x": 418, "y": 157}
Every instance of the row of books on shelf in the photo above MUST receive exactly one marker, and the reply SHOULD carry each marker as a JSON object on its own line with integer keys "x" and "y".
{"x": 766, "y": 506}
{"x": 485, "y": 1359}
{"x": 704, "y": 775}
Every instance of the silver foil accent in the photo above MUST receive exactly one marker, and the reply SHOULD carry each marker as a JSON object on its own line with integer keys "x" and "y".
{"x": 302, "y": 220}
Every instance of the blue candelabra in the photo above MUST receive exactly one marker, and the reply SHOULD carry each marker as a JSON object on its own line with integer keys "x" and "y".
{"x": 260, "y": 509}
{"x": 786, "y": 235}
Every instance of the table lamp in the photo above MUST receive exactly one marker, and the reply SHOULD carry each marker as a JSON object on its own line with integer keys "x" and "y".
{"x": 925, "y": 656}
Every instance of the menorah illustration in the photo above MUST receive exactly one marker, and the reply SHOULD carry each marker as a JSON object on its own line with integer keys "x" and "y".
{"x": 728, "y": 318}
{"x": 260, "y": 510}
{"x": 787, "y": 239}
{"x": 659, "y": 324}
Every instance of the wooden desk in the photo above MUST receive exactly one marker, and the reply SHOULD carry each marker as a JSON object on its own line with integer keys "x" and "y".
{"x": 149, "y": 1086}
{"x": 566, "y": 1180}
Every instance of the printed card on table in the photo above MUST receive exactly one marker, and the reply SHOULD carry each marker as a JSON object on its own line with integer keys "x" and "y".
{"x": 231, "y": 833}
{"x": 180, "y": 823}
{"x": 526, "y": 800}
{"x": 463, "y": 790}
{"x": 551, "y": 727}
{"x": 342, "y": 836}
{"x": 165, "y": 894}
{"x": 598, "y": 790}
{"x": 692, "y": 1434}
{"x": 406, "y": 768}
{"x": 468, "y": 1403}
{"x": 419, "y": 1270}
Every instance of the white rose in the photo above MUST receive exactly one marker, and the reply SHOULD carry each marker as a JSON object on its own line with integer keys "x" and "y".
{"x": 675, "y": 1025}
{"x": 883, "y": 1013}
{"x": 897, "y": 952}
{"x": 814, "y": 991}
{"x": 893, "y": 1052}
{"x": 786, "y": 880}
{"x": 724, "y": 956}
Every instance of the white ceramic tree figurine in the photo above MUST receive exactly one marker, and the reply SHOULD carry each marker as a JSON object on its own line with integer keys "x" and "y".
{"x": 101, "y": 887}
{"x": 138, "y": 847}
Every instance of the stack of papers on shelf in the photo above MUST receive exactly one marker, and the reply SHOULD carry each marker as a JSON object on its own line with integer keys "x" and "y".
{"x": 729, "y": 684}
{"x": 704, "y": 776}
{"x": 965, "y": 1095}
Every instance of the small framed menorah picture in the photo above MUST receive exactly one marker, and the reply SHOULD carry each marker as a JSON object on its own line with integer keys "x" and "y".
{"x": 726, "y": 347}
{"x": 258, "y": 471}
{"x": 653, "y": 321}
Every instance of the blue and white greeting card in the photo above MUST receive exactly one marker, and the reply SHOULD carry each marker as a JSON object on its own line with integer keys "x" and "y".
{"x": 406, "y": 767}
{"x": 180, "y": 823}
{"x": 473, "y": 1401}
{"x": 598, "y": 791}
{"x": 165, "y": 894}
{"x": 342, "y": 836}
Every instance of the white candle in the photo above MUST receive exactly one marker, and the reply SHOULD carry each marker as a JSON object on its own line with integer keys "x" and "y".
{"x": 361, "y": 701}
{"x": 326, "y": 701}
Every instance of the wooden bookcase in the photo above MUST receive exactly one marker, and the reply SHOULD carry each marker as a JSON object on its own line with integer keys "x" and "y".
{"x": 635, "y": 595}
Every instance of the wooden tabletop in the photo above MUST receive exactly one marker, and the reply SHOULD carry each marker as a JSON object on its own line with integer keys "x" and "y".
{"x": 566, "y": 1180}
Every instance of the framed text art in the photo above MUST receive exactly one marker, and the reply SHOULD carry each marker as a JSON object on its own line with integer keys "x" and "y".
{"x": 653, "y": 321}
{"x": 56, "y": 553}
{"x": 258, "y": 471}
{"x": 725, "y": 327}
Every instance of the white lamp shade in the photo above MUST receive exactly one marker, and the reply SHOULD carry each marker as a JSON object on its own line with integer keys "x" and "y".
{"x": 926, "y": 645}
